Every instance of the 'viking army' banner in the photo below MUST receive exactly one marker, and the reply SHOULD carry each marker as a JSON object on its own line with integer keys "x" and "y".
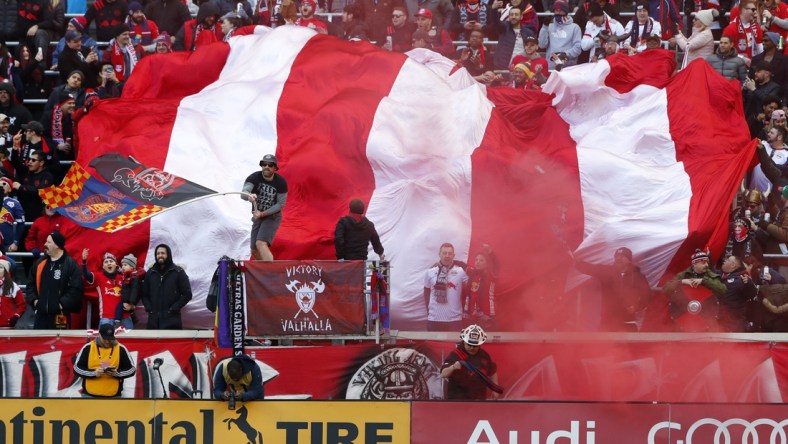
{"x": 305, "y": 298}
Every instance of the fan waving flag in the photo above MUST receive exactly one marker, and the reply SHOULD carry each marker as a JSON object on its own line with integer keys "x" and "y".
{"x": 607, "y": 160}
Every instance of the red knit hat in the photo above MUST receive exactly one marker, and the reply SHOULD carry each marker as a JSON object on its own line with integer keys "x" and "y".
{"x": 79, "y": 23}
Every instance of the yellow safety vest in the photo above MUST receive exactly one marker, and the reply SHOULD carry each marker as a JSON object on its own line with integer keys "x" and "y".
{"x": 104, "y": 385}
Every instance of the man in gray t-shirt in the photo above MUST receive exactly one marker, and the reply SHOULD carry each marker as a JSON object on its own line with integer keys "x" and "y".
{"x": 267, "y": 191}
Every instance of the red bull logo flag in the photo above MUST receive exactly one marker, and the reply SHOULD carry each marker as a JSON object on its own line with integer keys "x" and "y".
{"x": 617, "y": 153}
{"x": 131, "y": 193}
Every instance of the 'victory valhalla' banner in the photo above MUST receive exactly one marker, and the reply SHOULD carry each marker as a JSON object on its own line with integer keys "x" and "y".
{"x": 305, "y": 298}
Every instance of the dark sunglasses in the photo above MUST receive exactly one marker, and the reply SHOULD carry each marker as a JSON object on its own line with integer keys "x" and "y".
{"x": 267, "y": 164}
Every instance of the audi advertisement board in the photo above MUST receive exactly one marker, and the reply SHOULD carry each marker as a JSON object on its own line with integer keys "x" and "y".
{"x": 597, "y": 423}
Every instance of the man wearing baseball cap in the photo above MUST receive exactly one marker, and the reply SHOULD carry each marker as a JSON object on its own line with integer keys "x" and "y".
{"x": 439, "y": 38}
{"x": 267, "y": 191}
{"x": 103, "y": 364}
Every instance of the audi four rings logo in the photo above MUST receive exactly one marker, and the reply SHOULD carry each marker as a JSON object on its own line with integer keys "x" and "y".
{"x": 727, "y": 432}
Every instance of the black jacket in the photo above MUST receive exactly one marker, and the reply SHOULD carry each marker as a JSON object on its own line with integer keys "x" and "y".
{"x": 8, "y": 16}
{"x": 352, "y": 237}
{"x": 169, "y": 15}
{"x": 69, "y": 60}
{"x": 165, "y": 291}
{"x": 106, "y": 15}
{"x": 68, "y": 293}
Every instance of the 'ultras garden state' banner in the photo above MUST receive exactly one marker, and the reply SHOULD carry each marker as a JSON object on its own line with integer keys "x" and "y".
{"x": 305, "y": 298}
{"x": 202, "y": 422}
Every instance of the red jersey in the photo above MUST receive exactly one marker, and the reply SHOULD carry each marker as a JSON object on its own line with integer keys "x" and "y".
{"x": 745, "y": 38}
{"x": 313, "y": 23}
{"x": 108, "y": 289}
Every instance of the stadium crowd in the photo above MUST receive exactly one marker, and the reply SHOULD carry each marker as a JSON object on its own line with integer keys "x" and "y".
{"x": 509, "y": 43}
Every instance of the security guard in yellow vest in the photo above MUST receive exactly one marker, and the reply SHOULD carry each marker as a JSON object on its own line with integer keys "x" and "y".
{"x": 103, "y": 364}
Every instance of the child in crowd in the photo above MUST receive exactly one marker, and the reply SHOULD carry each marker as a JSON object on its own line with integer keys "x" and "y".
{"x": 130, "y": 289}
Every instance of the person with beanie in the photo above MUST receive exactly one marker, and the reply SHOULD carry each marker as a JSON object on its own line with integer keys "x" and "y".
{"x": 108, "y": 284}
{"x": 12, "y": 299}
{"x": 59, "y": 128}
{"x": 308, "y": 19}
{"x": 561, "y": 37}
{"x": 165, "y": 292}
{"x": 700, "y": 44}
{"x": 54, "y": 288}
{"x": 774, "y": 57}
{"x": 640, "y": 29}
{"x": 130, "y": 289}
{"x": 695, "y": 291}
{"x": 75, "y": 24}
{"x": 353, "y": 234}
{"x": 143, "y": 31}
{"x": 122, "y": 53}
{"x": 163, "y": 44}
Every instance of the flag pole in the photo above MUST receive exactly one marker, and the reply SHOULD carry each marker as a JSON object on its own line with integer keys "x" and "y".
{"x": 131, "y": 224}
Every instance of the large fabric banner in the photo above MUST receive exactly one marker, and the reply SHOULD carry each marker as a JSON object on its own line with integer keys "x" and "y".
{"x": 605, "y": 157}
{"x": 305, "y": 298}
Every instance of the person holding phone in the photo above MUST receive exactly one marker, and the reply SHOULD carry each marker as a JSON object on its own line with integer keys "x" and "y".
{"x": 103, "y": 364}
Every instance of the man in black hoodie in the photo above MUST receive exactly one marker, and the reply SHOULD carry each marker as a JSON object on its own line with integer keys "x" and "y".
{"x": 353, "y": 234}
{"x": 165, "y": 291}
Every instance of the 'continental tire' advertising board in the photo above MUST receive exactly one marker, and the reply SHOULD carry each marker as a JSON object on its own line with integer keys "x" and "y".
{"x": 39, "y": 421}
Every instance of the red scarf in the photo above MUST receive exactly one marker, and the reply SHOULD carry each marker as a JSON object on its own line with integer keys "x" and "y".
{"x": 57, "y": 124}
{"x": 119, "y": 62}
{"x": 750, "y": 33}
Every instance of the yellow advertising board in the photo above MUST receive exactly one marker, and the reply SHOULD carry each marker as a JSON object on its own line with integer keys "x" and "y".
{"x": 72, "y": 421}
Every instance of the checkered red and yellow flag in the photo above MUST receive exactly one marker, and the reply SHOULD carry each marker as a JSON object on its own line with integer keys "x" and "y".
{"x": 109, "y": 207}
{"x": 68, "y": 191}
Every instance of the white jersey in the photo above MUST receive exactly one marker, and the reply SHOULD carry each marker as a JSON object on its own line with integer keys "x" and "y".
{"x": 445, "y": 287}
{"x": 656, "y": 29}
{"x": 592, "y": 31}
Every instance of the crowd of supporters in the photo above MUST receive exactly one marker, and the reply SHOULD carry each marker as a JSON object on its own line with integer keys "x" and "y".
{"x": 68, "y": 63}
